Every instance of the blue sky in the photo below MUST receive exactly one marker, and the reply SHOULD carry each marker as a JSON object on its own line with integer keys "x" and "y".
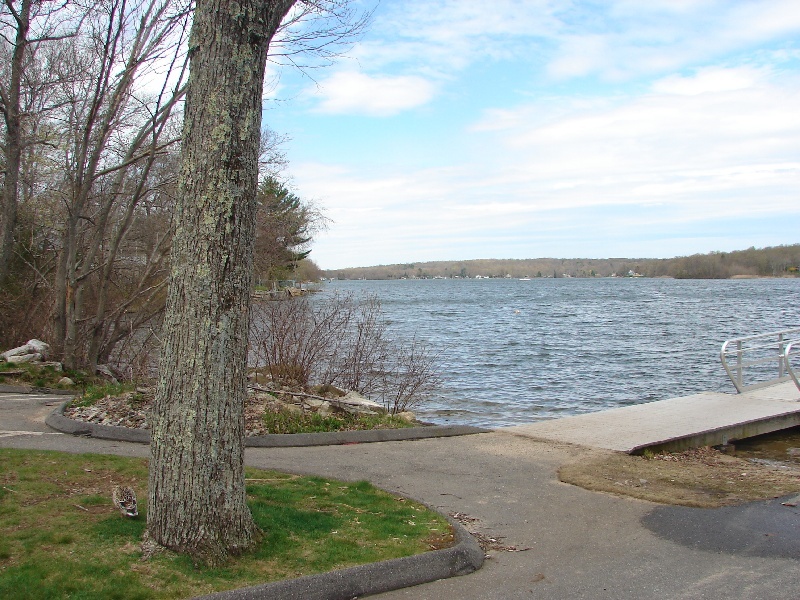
{"x": 464, "y": 129}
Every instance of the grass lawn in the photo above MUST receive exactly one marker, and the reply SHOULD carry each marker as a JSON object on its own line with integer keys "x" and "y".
{"x": 60, "y": 536}
{"x": 293, "y": 422}
{"x": 39, "y": 376}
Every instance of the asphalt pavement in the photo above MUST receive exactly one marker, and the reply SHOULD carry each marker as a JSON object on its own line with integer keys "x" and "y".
{"x": 557, "y": 541}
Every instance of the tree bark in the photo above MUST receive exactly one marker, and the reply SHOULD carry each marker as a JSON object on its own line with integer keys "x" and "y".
{"x": 197, "y": 502}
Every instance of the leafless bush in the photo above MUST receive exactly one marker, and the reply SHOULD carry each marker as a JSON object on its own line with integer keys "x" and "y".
{"x": 362, "y": 347}
{"x": 136, "y": 357}
{"x": 410, "y": 374}
{"x": 341, "y": 340}
{"x": 292, "y": 339}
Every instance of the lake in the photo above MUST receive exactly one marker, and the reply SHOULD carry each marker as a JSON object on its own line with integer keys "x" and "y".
{"x": 514, "y": 352}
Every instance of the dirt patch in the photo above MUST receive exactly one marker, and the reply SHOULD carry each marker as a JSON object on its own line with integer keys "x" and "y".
{"x": 486, "y": 541}
{"x": 703, "y": 477}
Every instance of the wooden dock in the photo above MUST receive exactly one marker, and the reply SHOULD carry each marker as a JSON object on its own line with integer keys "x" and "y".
{"x": 705, "y": 419}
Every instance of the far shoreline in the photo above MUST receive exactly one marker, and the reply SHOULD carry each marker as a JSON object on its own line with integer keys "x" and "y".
{"x": 752, "y": 263}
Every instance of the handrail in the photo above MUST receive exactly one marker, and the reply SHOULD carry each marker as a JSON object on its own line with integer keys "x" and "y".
{"x": 787, "y": 355}
{"x": 761, "y": 349}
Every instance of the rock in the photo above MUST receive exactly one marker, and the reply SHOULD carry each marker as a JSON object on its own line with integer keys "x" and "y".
{"x": 34, "y": 346}
{"x": 355, "y": 403}
{"x": 407, "y": 415}
{"x": 105, "y": 371}
{"x": 18, "y": 359}
{"x": 327, "y": 389}
{"x": 40, "y": 347}
{"x": 292, "y": 408}
{"x": 56, "y": 366}
{"x": 65, "y": 381}
{"x": 793, "y": 452}
{"x": 316, "y": 404}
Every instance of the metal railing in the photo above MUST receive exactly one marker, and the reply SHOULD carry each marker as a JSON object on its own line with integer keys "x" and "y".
{"x": 787, "y": 355}
{"x": 766, "y": 358}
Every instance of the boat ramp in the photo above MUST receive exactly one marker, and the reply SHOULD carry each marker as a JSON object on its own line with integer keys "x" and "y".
{"x": 704, "y": 419}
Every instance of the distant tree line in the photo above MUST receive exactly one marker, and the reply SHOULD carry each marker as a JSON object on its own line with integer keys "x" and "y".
{"x": 777, "y": 261}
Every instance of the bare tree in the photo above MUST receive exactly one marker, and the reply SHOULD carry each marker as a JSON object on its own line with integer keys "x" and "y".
{"x": 24, "y": 26}
{"x": 86, "y": 156}
{"x": 115, "y": 132}
{"x": 317, "y": 32}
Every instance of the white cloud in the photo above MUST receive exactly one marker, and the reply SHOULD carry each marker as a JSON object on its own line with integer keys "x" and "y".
{"x": 417, "y": 47}
{"x": 614, "y": 40}
{"x": 694, "y": 150}
{"x": 439, "y": 38}
{"x": 630, "y": 39}
{"x": 349, "y": 92}
{"x": 716, "y": 117}
{"x": 708, "y": 80}
{"x": 693, "y": 123}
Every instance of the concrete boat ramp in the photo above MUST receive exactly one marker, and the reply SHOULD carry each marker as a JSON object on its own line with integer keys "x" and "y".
{"x": 704, "y": 419}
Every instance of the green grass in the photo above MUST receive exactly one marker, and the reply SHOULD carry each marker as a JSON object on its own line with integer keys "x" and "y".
{"x": 97, "y": 391}
{"x": 41, "y": 376}
{"x": 60, "y": 537}
{"x": 294, "y": 422}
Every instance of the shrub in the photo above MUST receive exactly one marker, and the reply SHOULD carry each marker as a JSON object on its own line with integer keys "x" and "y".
{"x": 341, "y": 340}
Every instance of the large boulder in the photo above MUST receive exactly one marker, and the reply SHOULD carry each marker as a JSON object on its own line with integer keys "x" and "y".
{"x": 18, "y": 359}
{"x": 34, "y": 349}
{"x": 40, "y": 347}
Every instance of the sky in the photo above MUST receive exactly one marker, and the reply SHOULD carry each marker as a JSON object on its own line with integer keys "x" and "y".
{"x": 465, "y": 129}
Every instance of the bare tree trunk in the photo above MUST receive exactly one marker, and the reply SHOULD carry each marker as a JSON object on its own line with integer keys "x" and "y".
{"x": 63, "y": 290}
{"x": 13, "y": 142}
{"x": 197, "y": 492}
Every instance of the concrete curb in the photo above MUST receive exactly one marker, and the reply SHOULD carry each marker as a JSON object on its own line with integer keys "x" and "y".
{"x": 374, "y": 578}
{"x": 59, "y": 422}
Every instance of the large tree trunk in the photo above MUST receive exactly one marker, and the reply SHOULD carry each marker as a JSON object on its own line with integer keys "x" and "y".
{"x": 197, "y": 492}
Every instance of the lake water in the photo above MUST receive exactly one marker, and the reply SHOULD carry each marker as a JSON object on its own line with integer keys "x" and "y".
{"x": 514, "y": 352}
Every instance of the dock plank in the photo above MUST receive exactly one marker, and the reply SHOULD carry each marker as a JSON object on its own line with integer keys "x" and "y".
{"x": 707, "y": 418}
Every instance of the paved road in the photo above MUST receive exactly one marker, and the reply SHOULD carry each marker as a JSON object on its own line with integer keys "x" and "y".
{"x": 582, "y": 544}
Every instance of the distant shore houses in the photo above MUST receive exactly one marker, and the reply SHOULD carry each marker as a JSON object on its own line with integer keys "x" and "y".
{"x": 507, "y": 276}
{"x": 555, "y": 275}
{"x": 630, "y": 273}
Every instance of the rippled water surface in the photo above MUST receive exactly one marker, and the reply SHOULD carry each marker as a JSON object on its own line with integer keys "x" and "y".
{"x": 516, "y": 351}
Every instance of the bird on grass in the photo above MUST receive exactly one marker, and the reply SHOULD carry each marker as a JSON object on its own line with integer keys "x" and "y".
{"x": 125, "y": 500}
